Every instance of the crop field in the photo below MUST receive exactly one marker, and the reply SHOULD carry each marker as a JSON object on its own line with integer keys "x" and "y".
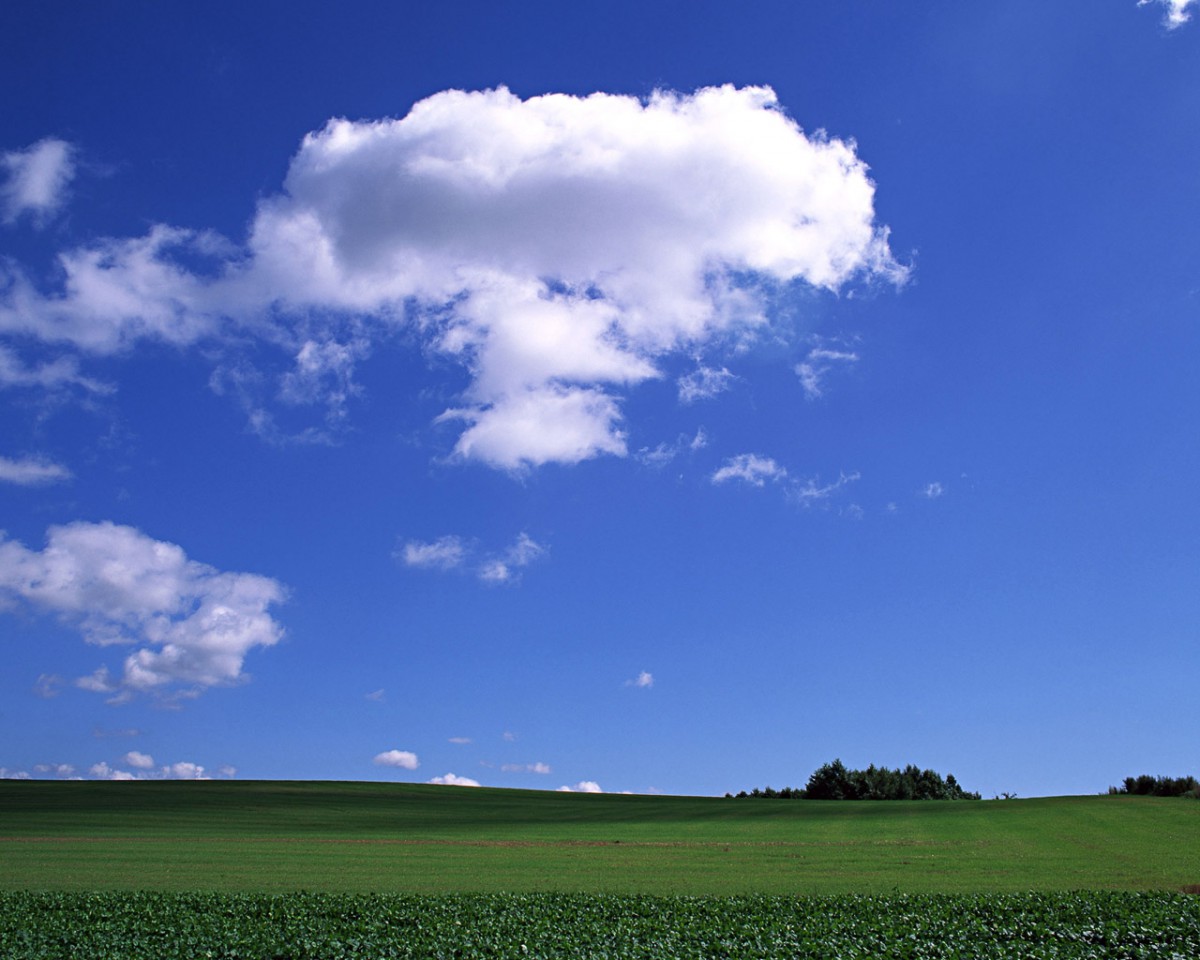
{"x": 237, "y": 869}
{"x": 522, "y": 926}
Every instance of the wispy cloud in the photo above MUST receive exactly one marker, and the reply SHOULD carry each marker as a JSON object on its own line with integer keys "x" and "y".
{"x": 445, "y": 553}
{"x": 819, "y": 362}
{"x": 645, "y": 680}
{"x": 454, "y": 553}
{"x": 703, "y": 383}
{"x": 933, "y": 491}
{"x": 537, "y": 767}
{"x": 750, "y": 468}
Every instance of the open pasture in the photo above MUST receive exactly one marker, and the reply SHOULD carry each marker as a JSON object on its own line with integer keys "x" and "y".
{"x": 275, "y": 837}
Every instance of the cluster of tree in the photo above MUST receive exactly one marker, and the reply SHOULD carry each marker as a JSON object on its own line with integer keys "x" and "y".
{"x": 834, "y": 781}
{"x": 1148, "y": 786}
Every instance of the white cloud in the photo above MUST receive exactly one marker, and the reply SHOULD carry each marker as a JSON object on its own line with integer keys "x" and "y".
{"x": 453, "y": 553}
{"x": 460, "y": 741}
{"x": 453, "y": 780}
{"x": 55, "y": 374}
{"x": 397, "y": 758}
{"x": 184, "y": 771}
{"x": 933, "y": 491}
{"x": 135, "y": 758}
{"x": 749, "y": 468}
{"x": 48, "y": 685}
{"x": 1176, "y": 11}
{"x": 37, "y": 180}
{"x": 120, "y": 291}
{"x": 227, "y": 771}
{"x": 811, "y": 491}
{"x": 58, "y": 769}
{"x": 191, "y": 624}
{"x": 537, "y": 767}
{"x": 703, "y": 383}
{"x": 445, "y": 553}
{"x": 506, "y": 568}
{"x": 644, "y": 679}
{"x": 664, "y": 453}
{"x": 6, "y": 774}
{"x": 32, "y": 472}
{"x": 558, "y": 248}
{"x": 817, "y": 365}
{"x": 375, "y": 696}
{"x": 103, "y": 771}
{"x": 583, "y": 786}
{"x": 509, "y": 737}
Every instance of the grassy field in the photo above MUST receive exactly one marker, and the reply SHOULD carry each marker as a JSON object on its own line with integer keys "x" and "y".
{"x": 370, "y": 837}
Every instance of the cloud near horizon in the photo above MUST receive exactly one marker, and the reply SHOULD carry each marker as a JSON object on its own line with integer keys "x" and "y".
{"x": 557, "y": 248}
{"x": 191, "y": 624}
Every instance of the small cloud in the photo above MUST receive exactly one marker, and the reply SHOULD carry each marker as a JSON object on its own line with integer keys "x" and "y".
{"x": 103, "y": 771}
{"x": 538, "y": 767}
{"x": 454, "y": 780}
{"x": 664, "y": 453}
{"x": 505, "y": 568}
{"x": 142, "y": 761}
{"x": 583, "y": 786}
{"x": 703, "y": 383}
{"x": 933, "y": 491}
{"x": 403, "y": 759}
{"x": 38, "y": 177}
{"x": 184, "y": 771}
{"x": 58, "y": 769}
{"x": 227, "y": 771}
{"x": 6, "y": 774}
{"x": 817, "y": 365}
{"x": 32, "y": 472}
{"x": 643, "y": 679}
{"x": 48, "y": 685}
{"x": 509, "y": 737}
{"x": 460, "y": 741}
{"x": 810, "y": 491}
{"x": 375, "y": 696}
{"x": 445, "y": 553}
{"x": 1176, "y": 12}
{"x": 749, "y": 468}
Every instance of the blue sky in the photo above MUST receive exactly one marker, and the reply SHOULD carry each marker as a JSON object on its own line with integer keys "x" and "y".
{"x": 660, "y": 398}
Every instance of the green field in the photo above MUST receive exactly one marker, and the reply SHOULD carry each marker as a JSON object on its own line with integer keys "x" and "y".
{"x": 264, "y": 837}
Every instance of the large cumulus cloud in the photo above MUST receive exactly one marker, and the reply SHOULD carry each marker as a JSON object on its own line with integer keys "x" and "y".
{"x": 559, "y": 248}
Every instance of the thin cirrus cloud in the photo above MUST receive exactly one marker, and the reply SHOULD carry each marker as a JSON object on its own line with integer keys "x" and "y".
{"x": 749, "y": 468}
{"x": 454, "y": 553}
{"x": 36, "y": 180}
{"x": 538, "y": 767}
{"x": 559, "y": 248}
{"x": 191, "y": 625}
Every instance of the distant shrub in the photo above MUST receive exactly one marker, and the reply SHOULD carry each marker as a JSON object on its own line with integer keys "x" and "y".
{"x": 1148, "y": 786}
{"x": 834, "y": 781}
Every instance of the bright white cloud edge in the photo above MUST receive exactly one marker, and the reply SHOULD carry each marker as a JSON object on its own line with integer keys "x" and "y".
{"x": 557, "y": 247}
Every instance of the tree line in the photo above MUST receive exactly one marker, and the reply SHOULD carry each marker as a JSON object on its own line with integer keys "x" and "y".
{"x": 1148, "y": 786}
{"x": 834, "y": 781}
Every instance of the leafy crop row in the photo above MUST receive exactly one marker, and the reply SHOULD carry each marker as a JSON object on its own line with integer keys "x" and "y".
{"x": 42, "y": 926}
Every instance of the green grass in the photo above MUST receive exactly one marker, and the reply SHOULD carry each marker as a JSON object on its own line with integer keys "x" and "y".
{"x": 367, "y": 837}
